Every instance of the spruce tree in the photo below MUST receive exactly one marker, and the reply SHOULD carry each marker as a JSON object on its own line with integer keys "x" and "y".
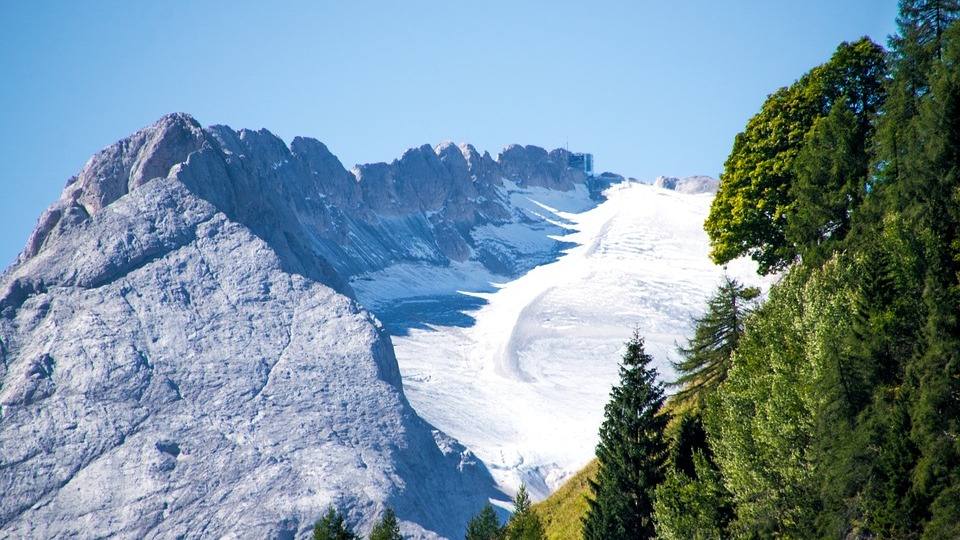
{"x": 708, "y": 356}
{"x": 630, "y": 454}
{"x": 387, "y": 528}
{"x": 332, "y": 527}
{"x": 524, "y": 524}
{"x": 485, "y": 525}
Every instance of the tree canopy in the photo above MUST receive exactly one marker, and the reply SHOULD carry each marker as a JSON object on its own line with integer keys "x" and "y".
{"x": 755, "y": 203}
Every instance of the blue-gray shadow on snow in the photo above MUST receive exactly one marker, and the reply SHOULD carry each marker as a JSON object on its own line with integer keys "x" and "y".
{"x": 422, "y": 312}
{"x": 454, "y": 309}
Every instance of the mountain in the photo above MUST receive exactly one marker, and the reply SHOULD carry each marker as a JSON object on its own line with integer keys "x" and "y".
{"x": 689, "y": 184}
{"x": 182, "y": 352}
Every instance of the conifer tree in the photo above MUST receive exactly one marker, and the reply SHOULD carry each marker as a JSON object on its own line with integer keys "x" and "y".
{"x": 387, "y": 528}
{"x": 485, "y": 525}
{"x": 630, "y": 454}
{"x": 708, "y": 356}
{"x": 332, "y": 527}
{"x": 933, "y": 377}
{"x": 923, "y": 22}
{"x": 524, "y": 524}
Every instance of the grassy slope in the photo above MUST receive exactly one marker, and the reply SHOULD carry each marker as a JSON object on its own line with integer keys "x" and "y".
{"x": 562, "y": 511}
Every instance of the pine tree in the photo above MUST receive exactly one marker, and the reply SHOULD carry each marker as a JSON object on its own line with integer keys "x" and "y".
{"x": 918, "y": 43}
{"x": 708, "y": 356}
{"x": 485, "y": 525}
{"x": 332, "y": 527}
{"x": 524, "y": 524}
{"x": 387, "y": 528}
{"x": 631, "y": 453}
{"x": 933, "y": 377}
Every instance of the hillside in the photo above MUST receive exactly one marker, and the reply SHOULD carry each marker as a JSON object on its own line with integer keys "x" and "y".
{"x": 563, "y": 510}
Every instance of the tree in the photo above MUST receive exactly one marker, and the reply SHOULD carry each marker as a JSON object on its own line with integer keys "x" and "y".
{"x": 750, "y": 213}
{"x": 485, "y": 525}
{"x": 524, "y": 524}
{"x": 932, "y": 376}
{"x": 387, "y": 528}
{"x": 332, "y": 527}
{"x": 917, "y": 45}
{"x": 831, "y": 181}
{"x": 692, "y": 507}
{"x": 709, "y": 354}
{"x": 922, "y": 23}
{"x": 630, "y": 454}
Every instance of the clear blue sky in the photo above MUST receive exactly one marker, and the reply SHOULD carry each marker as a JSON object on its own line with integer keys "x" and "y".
{"x": 649, "y": 87}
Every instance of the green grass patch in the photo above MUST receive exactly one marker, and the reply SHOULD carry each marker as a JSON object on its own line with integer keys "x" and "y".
{"x": 562, "y": 512}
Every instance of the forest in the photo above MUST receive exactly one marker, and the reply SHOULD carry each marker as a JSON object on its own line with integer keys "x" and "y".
{"x": 829, "y": 407}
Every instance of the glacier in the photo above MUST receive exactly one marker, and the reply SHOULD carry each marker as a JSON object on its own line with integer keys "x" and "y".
{"x": 523, "y": 385}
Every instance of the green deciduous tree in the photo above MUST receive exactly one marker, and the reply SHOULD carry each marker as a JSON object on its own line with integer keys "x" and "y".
{"x": 631, "y": 453}
{"x": 750, "y": 214}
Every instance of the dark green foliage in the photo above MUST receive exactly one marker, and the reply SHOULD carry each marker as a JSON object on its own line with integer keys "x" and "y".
{"x": 708, "y": 355}
{"x": 831, "y": 181}
{"x": 631, "y": 453}
{"x": 387, "y": 528}
{"x": 692, "y": 506}
{"x": 524, "y": 524}
{"x": 687, "y": 438}
{"x": 922, "y": 24}
{"x": 485, "y": 525}
{"x": 332, "y": 527}
{"x": 692, "y": 501}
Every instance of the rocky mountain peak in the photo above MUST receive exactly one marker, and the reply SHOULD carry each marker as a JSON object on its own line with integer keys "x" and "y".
{"x": 131, "y": 162}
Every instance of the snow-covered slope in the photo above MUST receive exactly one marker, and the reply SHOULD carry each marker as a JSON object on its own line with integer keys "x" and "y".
{"x": 524, "y": 382}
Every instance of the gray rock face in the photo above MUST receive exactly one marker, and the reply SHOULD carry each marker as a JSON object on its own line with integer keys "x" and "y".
{"x": 690, "y": 184}
{"x": 534, "y": 166}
